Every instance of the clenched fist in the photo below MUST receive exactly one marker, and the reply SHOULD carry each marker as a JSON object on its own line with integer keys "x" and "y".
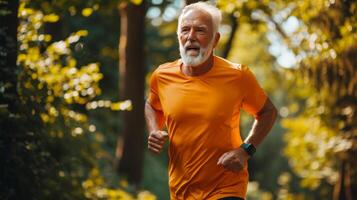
{"x": 156, "y": 140}
{"x": 234, "y": 160}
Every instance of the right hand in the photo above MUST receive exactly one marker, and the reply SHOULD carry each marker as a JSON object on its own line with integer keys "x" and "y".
{"x": 156, "y": 141}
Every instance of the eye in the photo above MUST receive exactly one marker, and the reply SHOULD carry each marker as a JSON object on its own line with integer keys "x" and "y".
{"x": 185, "y": 28}
{"x": 201, "y": 30}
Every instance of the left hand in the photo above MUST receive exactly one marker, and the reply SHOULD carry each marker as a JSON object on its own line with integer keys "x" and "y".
{"x": 234, "y": 160}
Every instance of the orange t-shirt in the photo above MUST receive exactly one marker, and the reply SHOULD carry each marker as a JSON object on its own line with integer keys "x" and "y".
{"x": 202, "y": 118}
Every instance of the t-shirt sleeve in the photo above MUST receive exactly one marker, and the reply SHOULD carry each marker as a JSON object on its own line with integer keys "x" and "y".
{"x": 153, "y": 97}
{"x": 254, "y": 97}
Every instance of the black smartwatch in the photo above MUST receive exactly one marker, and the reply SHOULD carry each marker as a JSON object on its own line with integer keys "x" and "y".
{"x": 249, "y": 148}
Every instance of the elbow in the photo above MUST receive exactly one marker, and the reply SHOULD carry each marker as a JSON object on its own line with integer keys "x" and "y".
{"x": 273, "y": 111}
{"x": 269, "y": 112}
{"x": 148, "y": 108}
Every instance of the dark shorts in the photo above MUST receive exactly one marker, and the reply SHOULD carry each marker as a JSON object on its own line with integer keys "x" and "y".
{"x": 231, "y": 198}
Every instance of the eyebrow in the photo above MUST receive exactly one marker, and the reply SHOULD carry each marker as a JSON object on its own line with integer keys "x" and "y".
{"x": 202, "y": 26}
{"x": 199, "y": 26}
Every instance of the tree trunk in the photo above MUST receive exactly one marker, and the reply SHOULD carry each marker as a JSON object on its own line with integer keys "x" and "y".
{"x": 9, "y": 100}
{"x": 188, "y": 2}
{"x": 131, "y": 86}
{"x": 8, "y": 55}
{"x": 342, "y": 189}
{"x": 234, "y": 26}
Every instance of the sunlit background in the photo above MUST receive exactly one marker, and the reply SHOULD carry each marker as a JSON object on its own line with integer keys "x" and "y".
{"x": 74, "y": 75}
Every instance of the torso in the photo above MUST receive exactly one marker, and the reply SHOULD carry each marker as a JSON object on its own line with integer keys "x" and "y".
{"x": 202, "y": 117}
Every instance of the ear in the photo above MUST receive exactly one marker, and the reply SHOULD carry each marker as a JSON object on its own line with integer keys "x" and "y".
{"x": 216, "y": 39}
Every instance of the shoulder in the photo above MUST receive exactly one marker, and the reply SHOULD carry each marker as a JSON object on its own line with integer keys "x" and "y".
{"x": 166, "y": 70}
{"x": 228, "y": 65}
{"x": 167, "y": 66}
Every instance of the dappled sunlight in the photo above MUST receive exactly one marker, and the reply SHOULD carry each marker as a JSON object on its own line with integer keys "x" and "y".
{"x": 95, "y": 188}
{"x": 72, "y": 120}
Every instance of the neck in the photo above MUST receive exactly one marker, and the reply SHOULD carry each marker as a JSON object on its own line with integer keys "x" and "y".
{"x": 199, "y": 69}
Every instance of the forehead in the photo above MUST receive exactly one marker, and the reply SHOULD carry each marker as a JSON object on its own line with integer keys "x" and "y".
{"x": 196, "y": 18}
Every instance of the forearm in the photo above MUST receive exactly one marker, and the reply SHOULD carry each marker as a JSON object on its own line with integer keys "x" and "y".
{"x": 262, "y": 124}
{"x": 154, "y": 119}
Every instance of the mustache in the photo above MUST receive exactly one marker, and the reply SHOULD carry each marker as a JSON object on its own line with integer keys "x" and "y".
{"x": 194, "y": 45}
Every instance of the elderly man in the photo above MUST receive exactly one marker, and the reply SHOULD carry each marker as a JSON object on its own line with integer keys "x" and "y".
{"x": 199, "y": 98}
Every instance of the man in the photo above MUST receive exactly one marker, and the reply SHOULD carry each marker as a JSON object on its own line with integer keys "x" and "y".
{"x": 199, "y": 98}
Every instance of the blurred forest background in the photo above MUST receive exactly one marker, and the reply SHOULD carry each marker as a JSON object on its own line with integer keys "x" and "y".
{"x": 74, "y": 75}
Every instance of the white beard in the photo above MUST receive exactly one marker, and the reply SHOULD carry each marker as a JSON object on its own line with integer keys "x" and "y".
{"x": 202, "y": 56}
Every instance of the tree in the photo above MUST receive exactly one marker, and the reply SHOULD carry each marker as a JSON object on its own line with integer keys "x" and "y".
{"x": 8, "y": 54}
{"x": 326, "y": 49}
{"x": 188, "y": 2}
{"x": 42, "y": 127}
{"x": 132, "y": 83}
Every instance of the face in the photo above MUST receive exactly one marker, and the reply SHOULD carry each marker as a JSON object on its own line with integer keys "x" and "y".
{"x": 196, "y": 37}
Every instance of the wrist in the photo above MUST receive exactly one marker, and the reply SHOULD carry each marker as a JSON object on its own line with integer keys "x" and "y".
{"x": 248, "y": 148}
{"x": 154, "y": 129}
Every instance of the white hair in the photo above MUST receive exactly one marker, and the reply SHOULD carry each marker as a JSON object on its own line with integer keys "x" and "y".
{"x": 212, "y": 10}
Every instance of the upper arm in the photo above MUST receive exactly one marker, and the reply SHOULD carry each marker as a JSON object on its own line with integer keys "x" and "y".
{"x": 153, "y": 97}
{"x": 153, "y": 115}
{"x": 254, "y": 96}
{"x": 153, "y": 107}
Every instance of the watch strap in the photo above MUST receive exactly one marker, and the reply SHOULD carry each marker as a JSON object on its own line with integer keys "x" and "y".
{"x": 249, "y": 148}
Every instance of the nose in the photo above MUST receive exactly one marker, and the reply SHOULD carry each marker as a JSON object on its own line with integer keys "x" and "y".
{"x": 192, "y": 35}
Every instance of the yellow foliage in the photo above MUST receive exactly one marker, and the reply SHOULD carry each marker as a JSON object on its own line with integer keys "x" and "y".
{"x": 52, "y": 77}
{"x": 124, "y": 105}
{"x": 310, "y": 148}
{"x": 87, "y": 12}
{"x": 255, "y": 193}
{"x": 33, "y": 54}
{"x": 51, "y": 18}
{"x": 123, "y": 183}
{"x": 95, "y": 188}
{"x": 146, "y": 195}
{"x": 47, "y": 38}
{"x": 72, "y": 62}
{"x": 115, "y": 106}
{"x": 21, "y": 57}
{"x": 136, "y": 2}
{"x": 82, "y": 33}
{"x": 54, "y": 69}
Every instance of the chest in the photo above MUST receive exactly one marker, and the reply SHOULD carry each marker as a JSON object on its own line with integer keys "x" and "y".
{"x": 198, "y": 99}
